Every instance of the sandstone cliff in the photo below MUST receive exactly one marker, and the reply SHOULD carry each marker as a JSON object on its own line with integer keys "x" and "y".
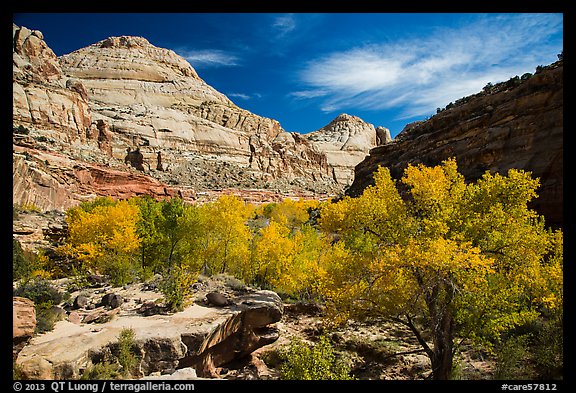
{"x": 152, "y": 99}
{"x": 123, "y": 117}
{"x": 42, "y": 97}
{"x": 514, "y": 124}
{"x": 346, "y": 140}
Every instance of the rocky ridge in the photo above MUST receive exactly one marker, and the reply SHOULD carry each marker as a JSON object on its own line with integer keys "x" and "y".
{"x": 514, "y": 124}
{"x": 346, "y": 140}
{"x": 123, "y": 105}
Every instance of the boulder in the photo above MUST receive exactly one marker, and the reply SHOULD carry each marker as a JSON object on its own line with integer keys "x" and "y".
{"x": 74, "y": 317}
{"x": 80, "y": 301}
{"x": 217, "y": 299}
{"x": 23, "y": 323}
{"x": 111, "y": 300}
{"x": 151, "y": 308}
{"x": 100, "y": 315}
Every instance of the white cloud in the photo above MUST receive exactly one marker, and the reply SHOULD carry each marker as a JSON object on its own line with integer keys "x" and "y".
{"x": 239, "y": 95}
{"x": 420, "y": 74}
{"x": 306, "y": 94}
{"x": 283, "y": 25}
{"x": 209, "y": 58}
{"x": 243, "y": 96}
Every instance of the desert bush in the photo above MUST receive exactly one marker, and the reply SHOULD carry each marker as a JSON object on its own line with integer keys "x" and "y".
{"x": 176, "y": 286}
{"x": 316, "y": 362}
{"x": 100, "y": 371}
{"x": 45, "y": 296}
{"x": 231, "y": 282}
{"x": 512, "y": 359}
{"x": 40, "y": 291}
{"x": 549, "y": 349}
{"x": 117, "y": 361}
{"x": 126, "y": 356}
{"x": 23, "y": 262}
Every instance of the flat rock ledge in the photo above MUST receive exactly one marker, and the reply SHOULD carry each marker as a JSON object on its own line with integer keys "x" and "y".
{"x": 200, "y": 337}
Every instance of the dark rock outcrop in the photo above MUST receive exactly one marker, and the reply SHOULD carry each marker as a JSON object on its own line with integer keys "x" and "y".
{"x": 517, "y": 124}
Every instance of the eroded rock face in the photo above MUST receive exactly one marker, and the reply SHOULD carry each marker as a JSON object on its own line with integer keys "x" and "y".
{"x": 517, "y": 126}
{"x": 42, "y": 96}
{"x": 123, "y": 103}
{"x": 50, "y": 180}
{"x": 346, "y": 140}
{"x": 152, "y": 99}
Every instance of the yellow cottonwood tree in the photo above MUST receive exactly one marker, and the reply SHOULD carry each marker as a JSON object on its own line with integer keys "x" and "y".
{"x": 288, "y": 253}
{"x": 447, "y": 259}
{"x": 225, "y": 238}
{"x": 102, "y": 236}
{"x": 291, "y": 213}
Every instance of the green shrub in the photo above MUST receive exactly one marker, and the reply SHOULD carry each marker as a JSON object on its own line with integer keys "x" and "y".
{"x": 231, "y": 282}
{"x": 126, "y": 356}
{"x": 100, "y": 371}
{"x": 78, "y": 279}
{"x": 121, "y": 269}
{"x": 512, "y": 358}
{"x": 117, "y": 360}
{"x": 176, "y": 286}
{"x": 16, "y": 371}
{"x": 549, "y": 349}
{"x": 316, "y": 362}
{"x": 44, "y": 296}
{"x": 46, "y": 317}
{"x": 40, "y": 291}
{"x": 24, "y": 263}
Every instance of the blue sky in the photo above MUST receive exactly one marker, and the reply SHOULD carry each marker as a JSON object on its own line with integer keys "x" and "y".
{"x": 305, "y": 69}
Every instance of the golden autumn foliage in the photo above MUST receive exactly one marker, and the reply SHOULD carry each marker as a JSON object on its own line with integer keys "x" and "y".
{"x": 225, "y": 238}
{"x": 102, "y": 236}
{"x": 447, "y": 258}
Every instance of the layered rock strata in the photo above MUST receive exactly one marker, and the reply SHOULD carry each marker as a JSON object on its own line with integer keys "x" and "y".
{"x": 123, "y": 104}
{"x": 346, "y": 141}
{"x": 153, "y": 100}
{"x": 515, "y": 124}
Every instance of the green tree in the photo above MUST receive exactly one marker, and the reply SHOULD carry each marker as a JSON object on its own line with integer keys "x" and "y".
{"x": 147, "y": 229}
{"x": 449, "y": 260}
{"x": 169, "y": 231}
{"x": 176, "y": 286}
{"x": 23, "y": 263}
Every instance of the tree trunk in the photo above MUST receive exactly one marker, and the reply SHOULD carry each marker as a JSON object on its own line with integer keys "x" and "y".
{"x": 442, "y": 361}
{"x": 443, "y": 352}
{"x": 438, "y": 297}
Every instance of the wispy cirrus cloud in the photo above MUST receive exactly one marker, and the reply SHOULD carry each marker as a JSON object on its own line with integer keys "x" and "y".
{"x": 419, "y": 74}
{"x": 285, "y": 32}
{"x": 209, "y": 58}
{"x": 244, "y": 96}
{"x": 283, "y": 25}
